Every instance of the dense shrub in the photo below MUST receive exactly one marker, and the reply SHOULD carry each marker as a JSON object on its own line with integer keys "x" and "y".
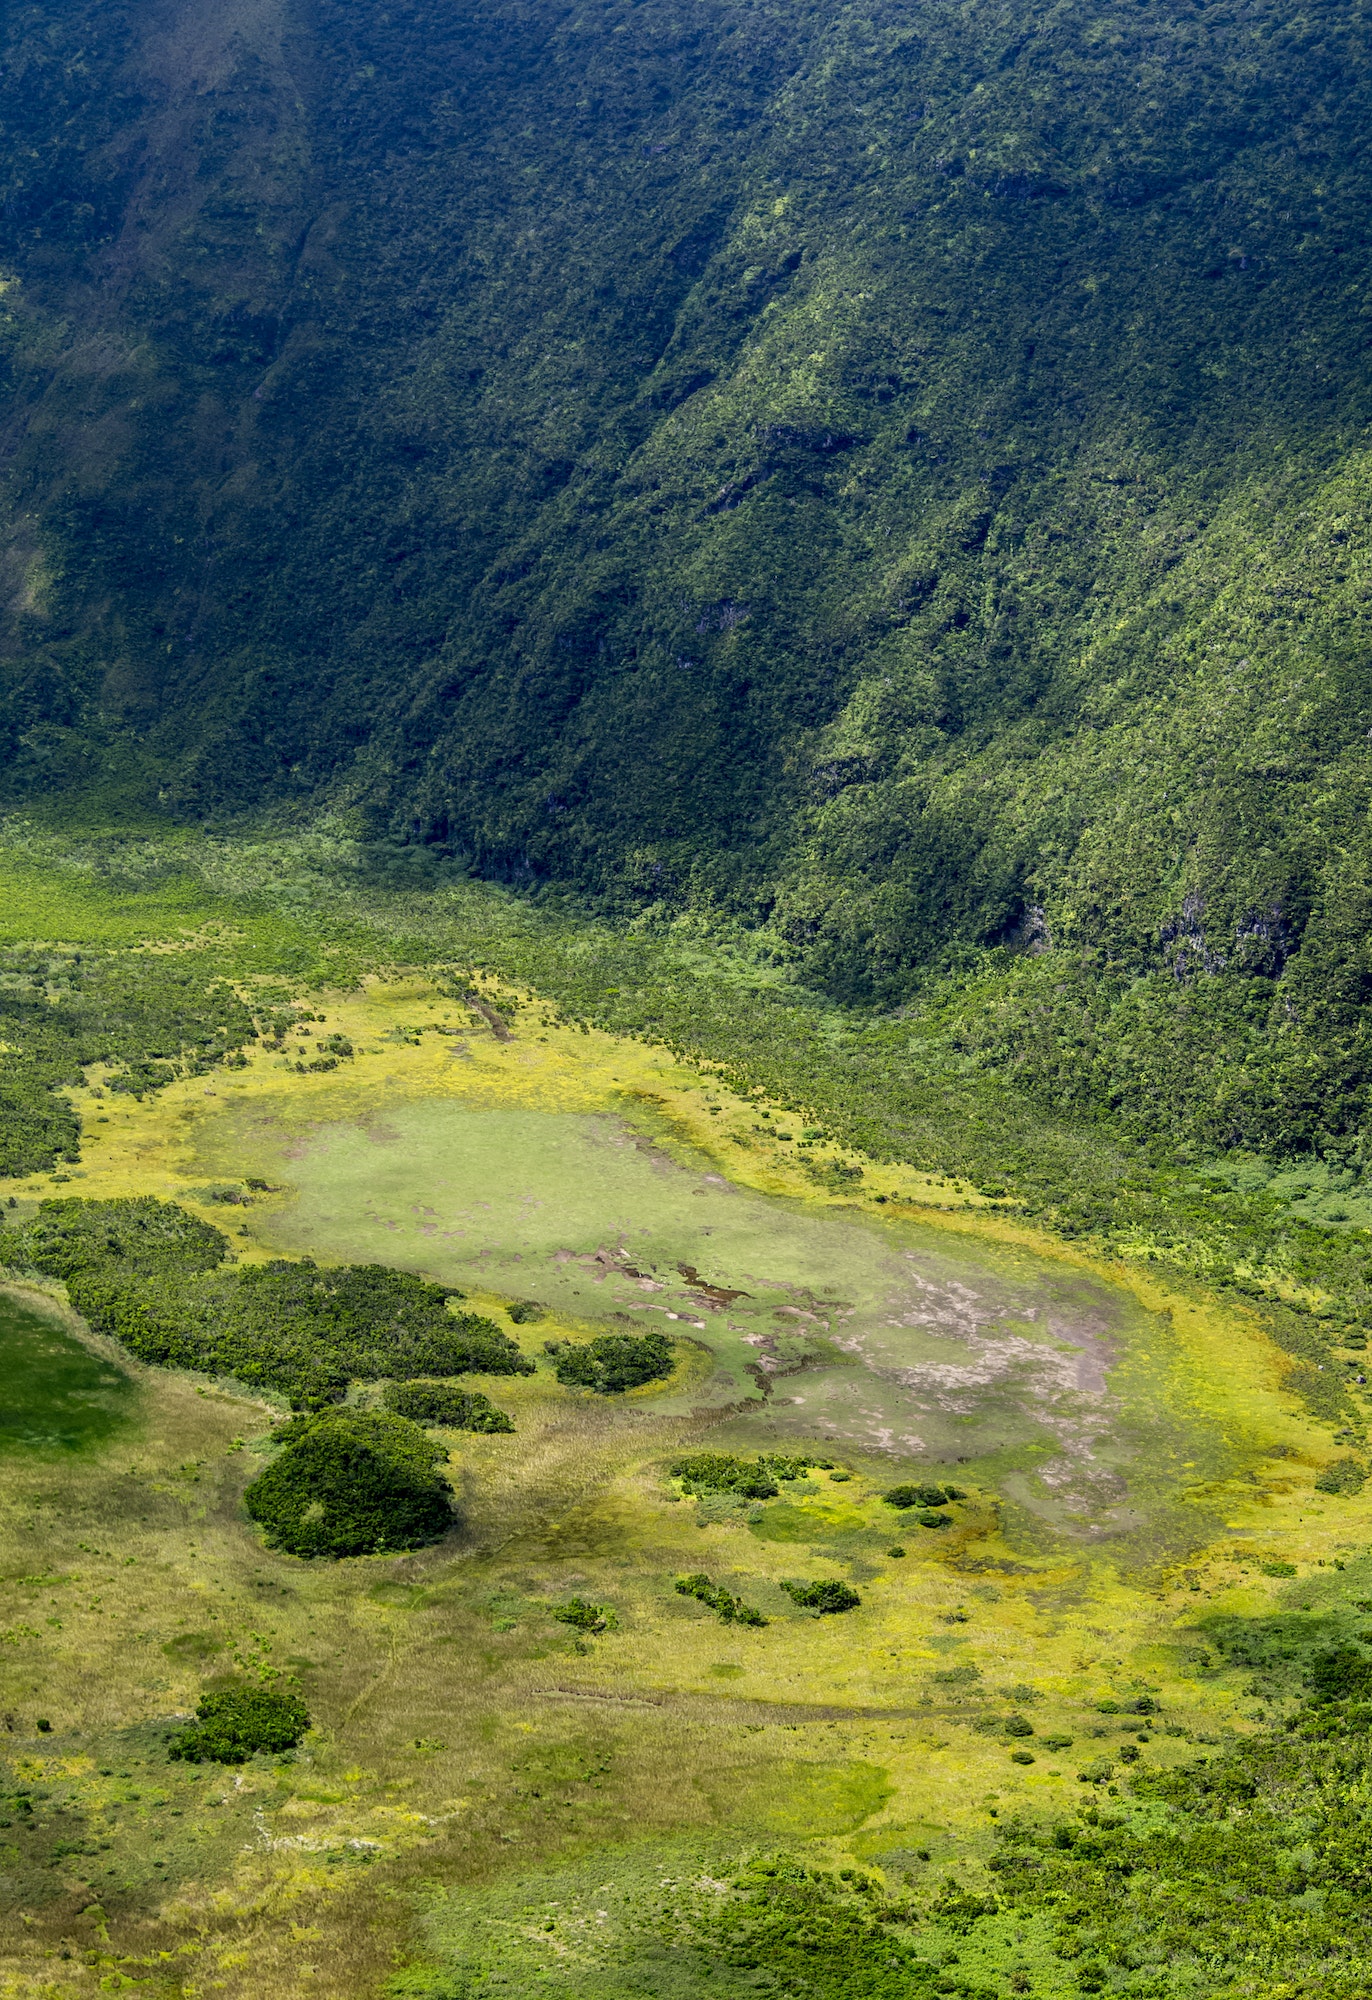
{"x": 1341, "y": 1674}
{"x": 823, "y": 1597}
{"x": 525, "y": 1311}
{"x": 732, "y": 1610}
{"x": 614, "y": 1362}
{"x": 443, "y": 1403}
{"x": 584, "y": 1616}
{"x": 146, "y": 1273}
{"x": 350, "y": 1483}
{"x": 135, "y": 1234}
{"x": 755, "y": 1479}
{"x": 715, "y": 1472}
{"x": 151, "y": 1018}
{"x": 1342, "y": 1475}
{"x": 921, "y": 1496}
{"x": 233, "y": 1723}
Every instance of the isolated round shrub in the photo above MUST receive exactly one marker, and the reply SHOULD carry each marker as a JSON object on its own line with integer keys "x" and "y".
{"x": 615, "y": 1361}
{"x": 525, "y": 1311}
{"x": 351, "y": 1483}
{"x": 445, "y": 1404}
{"x": 233, "y": 1723}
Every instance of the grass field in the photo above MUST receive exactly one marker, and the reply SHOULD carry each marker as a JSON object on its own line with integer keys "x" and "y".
{"x": 482, "y": 1781}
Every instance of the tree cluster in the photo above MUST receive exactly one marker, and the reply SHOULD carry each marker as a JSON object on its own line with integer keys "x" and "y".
{"x": 154, "y": 1277}
{"x": 613, "y": 1362}
{"x": 351, "y": 1483}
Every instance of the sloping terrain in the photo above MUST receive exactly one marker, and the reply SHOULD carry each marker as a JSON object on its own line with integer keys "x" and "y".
{"x": 899, "y": 474}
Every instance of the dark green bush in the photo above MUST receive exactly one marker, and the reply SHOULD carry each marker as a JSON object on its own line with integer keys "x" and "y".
{"x": 927, "y": 1518}
{"x": 136, "y": 1235}
{"x": 232, "y": 1724}
{"x": 525, "y": 1311}
{"x": 443, "y": 1403}
{"x": 350, "y": 1483}
{"x": 732, "y": 1610}
{"x": 752, "y": 1479}
{"x": 584, "y": 1616}
{"x": 920, "y": 1496}
{"x": 716, "y": 1472}
{"x": 614, "y": 1362}
{"x": 1343, "y": 1475}
{"x": 1341, "y": 1674}
{"x": 145, "y": 1272}
{"x": 823, "y": 1597}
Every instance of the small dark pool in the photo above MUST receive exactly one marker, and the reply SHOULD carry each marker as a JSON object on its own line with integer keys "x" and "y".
{"x": 55, "y": 1395}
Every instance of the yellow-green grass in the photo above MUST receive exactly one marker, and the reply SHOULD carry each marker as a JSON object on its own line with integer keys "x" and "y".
{"x": 462, "y": 1732}
{"x": 460, "y": 1729}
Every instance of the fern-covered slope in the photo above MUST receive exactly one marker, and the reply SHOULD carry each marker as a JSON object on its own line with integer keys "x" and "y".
{"x": 895, "y": 473}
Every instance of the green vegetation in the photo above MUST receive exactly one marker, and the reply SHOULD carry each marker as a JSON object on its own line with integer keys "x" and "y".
{"x": 1022, "y": 674}
{"x": 732, "y": 1610}
{"x": 147, "y": 1017}
{"x": 823, "y": 1597}
{"x": 1238, "y": 1872}
{"x": 863, "y": 524}
{"x": 71, "y": 1238}
{"x": 235, "y": 1723}
{"x": 144, "y": 1272}
{"x": 814, "y": 1932}
{"x": 718, "y": 1472}
{"x": 583, "y": 1616}
{"x": 922, "y": 1496}
{"x": 1342, "y": 1475}
{"x": 614, "y": 1362}
{"x": 444, "y": 1404}
{"x": 59, "y": 1397}
{"x": 351, "y": 1483}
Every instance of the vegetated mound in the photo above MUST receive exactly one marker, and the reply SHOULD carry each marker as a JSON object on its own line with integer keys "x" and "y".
{"x": 823, "y": 1596}
{"x": 585, "y": 1616}
{"x": 352, "y": 1483}
{"x": 443, "y": 1403}
{"x": 922, "y": 1496}
{"x": 144, "y": 1272}
{"x": 613, "y": 1362}
{"x": 719, "y": 1472}
{"x": 136, "y": 1234}
{"x": 234, "y": 1723}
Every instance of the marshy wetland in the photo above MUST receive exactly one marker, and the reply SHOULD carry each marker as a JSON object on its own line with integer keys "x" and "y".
{"x": 496, "y": 1794}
